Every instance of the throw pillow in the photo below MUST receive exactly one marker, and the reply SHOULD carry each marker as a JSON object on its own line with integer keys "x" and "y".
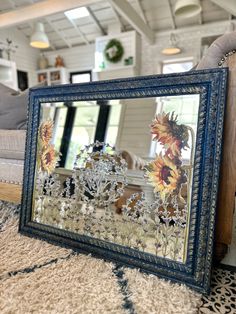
{"x": 13, "y": 108}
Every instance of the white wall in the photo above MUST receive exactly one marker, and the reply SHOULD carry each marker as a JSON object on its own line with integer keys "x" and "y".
{"x": 189, "y": 40}
{"x": 132, "y": 134}
{"x": 25, "y": 56}
{"x": 82, "y": 58}
{"x": 79, "y": 58}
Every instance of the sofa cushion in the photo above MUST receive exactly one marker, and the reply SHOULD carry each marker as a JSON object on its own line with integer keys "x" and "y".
{"x": 12, "y": 144}
{"x": 11, "y": 170}
{"x": 13, "y": 108}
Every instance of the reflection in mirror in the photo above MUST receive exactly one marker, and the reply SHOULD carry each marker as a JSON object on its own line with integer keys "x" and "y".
{"x": 119, "y": 171}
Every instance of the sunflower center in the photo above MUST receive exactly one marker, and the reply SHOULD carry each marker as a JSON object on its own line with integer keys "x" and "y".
{"x": 48, "y": 158}
{"x": 46, "y": 133}
{"x": 165, "y": 174}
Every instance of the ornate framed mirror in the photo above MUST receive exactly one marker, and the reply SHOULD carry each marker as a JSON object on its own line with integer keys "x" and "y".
{"x": 127, "y": 170}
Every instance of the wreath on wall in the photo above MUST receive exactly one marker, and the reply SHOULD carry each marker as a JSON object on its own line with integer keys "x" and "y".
{"x": 114, "y": 51}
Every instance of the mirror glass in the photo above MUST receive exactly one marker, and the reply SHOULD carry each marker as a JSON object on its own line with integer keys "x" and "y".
{"x": 119, "y": 171}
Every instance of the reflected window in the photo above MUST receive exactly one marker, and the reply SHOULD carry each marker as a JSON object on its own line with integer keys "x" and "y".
{"x": 60, "y": 119}
{"x": 81, "y": 123}
{"x": 113, "y": 123}
{"x": 84, "y": 129}
{"x": 185, "y": 107}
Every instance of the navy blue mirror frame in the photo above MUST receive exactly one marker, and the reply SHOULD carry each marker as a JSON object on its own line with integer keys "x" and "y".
{"x": 211, "y": 85}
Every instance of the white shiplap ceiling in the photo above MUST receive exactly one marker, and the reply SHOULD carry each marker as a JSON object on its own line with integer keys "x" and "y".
{"x": 157, "y": 14}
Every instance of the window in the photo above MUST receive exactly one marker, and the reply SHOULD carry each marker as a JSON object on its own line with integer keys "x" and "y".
{"x": 176, "y": 67}
{"x": 80, "y": 77}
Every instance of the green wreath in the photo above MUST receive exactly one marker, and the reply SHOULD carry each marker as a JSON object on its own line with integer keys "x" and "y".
{"x": 114, "y": 51}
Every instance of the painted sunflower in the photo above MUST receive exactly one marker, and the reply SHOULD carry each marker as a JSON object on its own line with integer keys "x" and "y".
{"x": 48, "y": 159}
{"x": 45, "y": 132}
{"x": 171, "y": 135}
{"x": 165, "y": 176}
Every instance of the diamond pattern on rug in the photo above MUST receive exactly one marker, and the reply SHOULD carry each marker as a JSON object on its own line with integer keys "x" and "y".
{"x": 151, "y": 294}
{"x": 19, "y": 252}
{"x": 37, "y": 277}
{"x": 80, "y": 284}
{"x": 222, "y": 299}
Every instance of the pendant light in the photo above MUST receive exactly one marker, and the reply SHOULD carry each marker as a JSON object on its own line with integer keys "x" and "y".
{"x": 39, "y": 39}
{"x": 187, "y": 8}
{"x": 172, "y": 48}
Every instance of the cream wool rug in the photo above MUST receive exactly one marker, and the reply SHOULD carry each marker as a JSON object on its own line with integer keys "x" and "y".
{"x": 37, "y": 277}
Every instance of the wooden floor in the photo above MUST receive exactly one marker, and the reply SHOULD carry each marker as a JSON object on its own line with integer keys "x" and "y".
{"x": 10, "y": 192}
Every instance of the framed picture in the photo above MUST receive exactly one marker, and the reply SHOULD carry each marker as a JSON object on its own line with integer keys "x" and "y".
{"x": 128, "y": 170}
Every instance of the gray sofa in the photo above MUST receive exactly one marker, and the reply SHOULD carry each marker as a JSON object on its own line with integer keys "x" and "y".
{"x": 12, "y": 145}
{"x": 13, "y": 121}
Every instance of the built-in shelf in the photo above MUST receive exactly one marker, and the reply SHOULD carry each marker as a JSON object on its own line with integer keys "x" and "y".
{"x": 8, "y": 74}
{"x": 107, "y": 70}
{"x": 53, "y": 76}
{"x": 119, "y": 72}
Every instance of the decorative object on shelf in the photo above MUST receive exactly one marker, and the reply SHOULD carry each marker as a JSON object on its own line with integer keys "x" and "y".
{"x": 42, "y": 77}
{"x": 167, "y": 227}
{"x": 172, "y": 48}
{"x": 102, "y": 65}
{"x": 114, "y": 51}
{"x": 39, "y": 38}
{"x": 129, "y": 61}
{"x": 8, "y": 47}
{"x": 55, "y": 76}
{"x": 187, "y": 8}
{"x": 59, "y": 62}
{"x": 42, "y": 62}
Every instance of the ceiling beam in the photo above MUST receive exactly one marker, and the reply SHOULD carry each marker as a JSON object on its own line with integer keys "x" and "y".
{"x": 200, "y": 18}
{"x": 141, "y": 11}
{"x": 127, "y": 11}
{"x": 13, "y": 5}
{"x": 229, "y": 5}
{"x": 59, "y": 32}
{"x": 96, "y": 21}
{"x": 118, "y": 19}
{"x": 172, "y": 15}
{"x": 40, "y": 9}
{"x": 81, "y": 34}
